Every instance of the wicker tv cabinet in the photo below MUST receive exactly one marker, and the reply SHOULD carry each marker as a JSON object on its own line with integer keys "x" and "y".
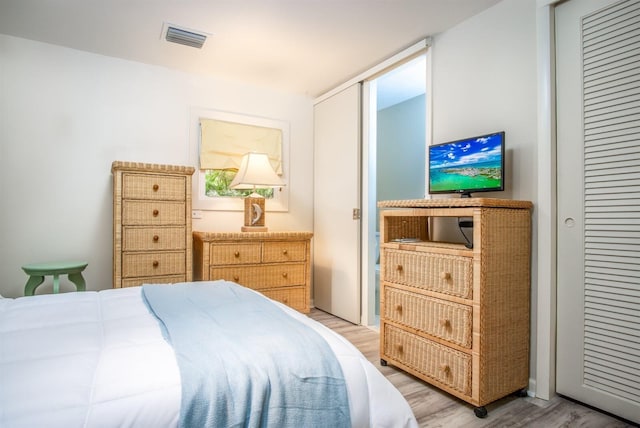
{"x": 456, "y": 315}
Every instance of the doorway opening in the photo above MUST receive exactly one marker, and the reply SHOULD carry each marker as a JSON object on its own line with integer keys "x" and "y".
{"x": 396, "y": 158}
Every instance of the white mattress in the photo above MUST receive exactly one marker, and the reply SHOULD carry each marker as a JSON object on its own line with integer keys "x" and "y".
{"x": 98, "y": 359}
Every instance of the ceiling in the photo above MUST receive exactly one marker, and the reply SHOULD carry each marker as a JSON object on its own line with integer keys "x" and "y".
{"x": 301, "y": 46}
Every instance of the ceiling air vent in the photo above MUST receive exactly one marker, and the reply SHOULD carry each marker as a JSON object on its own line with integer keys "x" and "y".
{"x": 184, "y": 37}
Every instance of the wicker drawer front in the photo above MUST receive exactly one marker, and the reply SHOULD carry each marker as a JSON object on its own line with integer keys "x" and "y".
{"x": 276, "y": 264}
{"x": 439, "y": 318}
{"x": 153, "y": 213}
{"x": 169, "y": 279}
{"x": 157, "y": 238}
{"x": 262, "y": 276}
{"x": 152, "y": 264}
{"x": 292, "y": 296}
{"x": 155, "y": 187}
{"x": 235, "y": 254}
{"x": 284, "y": 252}
{"x": 445, "y": 365}
{"x": 435, "y": 272}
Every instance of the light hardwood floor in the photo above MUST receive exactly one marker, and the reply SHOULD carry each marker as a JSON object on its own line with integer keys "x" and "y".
{"x": 434, "y": 408}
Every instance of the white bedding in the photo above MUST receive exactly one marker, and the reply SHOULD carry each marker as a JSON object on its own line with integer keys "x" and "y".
{"x": 98, "y": 359}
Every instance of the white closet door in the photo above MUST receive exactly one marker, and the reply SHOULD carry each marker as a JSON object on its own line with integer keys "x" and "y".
{"x": 336, "y": 240}
{"x": 598, "y": 95}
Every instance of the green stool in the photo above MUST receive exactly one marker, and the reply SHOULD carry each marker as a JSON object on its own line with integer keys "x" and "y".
{"x": 37, "y": 272}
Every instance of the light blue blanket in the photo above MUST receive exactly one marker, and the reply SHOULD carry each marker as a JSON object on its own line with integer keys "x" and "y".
{"x": 244, "y": 362}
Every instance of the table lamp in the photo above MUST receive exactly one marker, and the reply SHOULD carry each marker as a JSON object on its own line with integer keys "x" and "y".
{"x": 255, "y": 173}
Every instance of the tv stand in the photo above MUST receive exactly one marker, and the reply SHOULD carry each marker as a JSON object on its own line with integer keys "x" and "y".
{"x": 454, "y": 316}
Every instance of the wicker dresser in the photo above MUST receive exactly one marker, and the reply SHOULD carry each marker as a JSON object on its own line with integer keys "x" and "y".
{"x": 277, "y": 264}
{"x": 151, "y": 223}
{"x": 456, "y": 315}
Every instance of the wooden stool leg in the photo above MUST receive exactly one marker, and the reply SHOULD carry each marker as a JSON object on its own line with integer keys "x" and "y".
{"x": 78, "y": 280}
{"x": 32, "y": 283}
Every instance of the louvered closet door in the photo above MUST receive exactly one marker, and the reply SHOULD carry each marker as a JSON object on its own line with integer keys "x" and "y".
{"x": 598, "y": 93}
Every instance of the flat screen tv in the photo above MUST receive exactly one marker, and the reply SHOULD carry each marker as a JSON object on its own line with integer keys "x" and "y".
{"x": 473, "y": 164}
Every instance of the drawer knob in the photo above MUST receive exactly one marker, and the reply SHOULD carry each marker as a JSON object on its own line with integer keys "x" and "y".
{"x": 399, "y": 349}
{"x": 155, "y": 238}
{"x": 445, "y": 275}
{"x": 236, "y": 278}
{"x": 445, "y": 368}
{"x": 285, "y": 252}
{"x": 155, "y": 263}
{"x": 445, "y": 323}
{"x": 399, "y": 308}
{"x": 155, "y": 213}
{"x": 399, "y": 268}
{"x": 155, "y": 187}
{"x": 284, "y": 274}
{"x": 236, "y": 254}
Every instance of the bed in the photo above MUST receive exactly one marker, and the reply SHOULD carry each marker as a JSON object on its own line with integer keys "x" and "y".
{"x": 109, "y": 359}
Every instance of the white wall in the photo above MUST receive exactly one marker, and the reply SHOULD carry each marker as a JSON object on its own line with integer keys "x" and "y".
{"x": 65, "y": 115}
{"x": 401, "y": 151}
{"x": 484, "y": 80}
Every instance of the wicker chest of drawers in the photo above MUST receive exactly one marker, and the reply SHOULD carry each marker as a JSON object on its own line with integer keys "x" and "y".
{"x": 277, "y": 264}
{"x": 456, "y": 315}
{"x": 151, "y": 223}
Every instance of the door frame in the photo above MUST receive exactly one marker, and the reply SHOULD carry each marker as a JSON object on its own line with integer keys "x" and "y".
{"x": 368, "y": 226}
{"x": 546, "y": 209}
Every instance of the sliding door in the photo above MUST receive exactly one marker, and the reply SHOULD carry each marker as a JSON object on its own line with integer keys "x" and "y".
{"x": 336, "y": 226}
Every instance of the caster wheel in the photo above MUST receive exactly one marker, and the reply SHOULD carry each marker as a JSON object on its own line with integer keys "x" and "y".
{"x": 383, "y": 362}
{"x": 521, "y": 393}
{"x": 480, "y": 412}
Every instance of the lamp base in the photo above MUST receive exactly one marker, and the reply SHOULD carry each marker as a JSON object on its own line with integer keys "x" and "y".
{"x": 254, "y": 214}
{"x": 254, "y": 229}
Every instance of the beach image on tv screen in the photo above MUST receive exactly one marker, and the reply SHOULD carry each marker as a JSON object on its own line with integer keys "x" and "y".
{"x": 466, "y": 165}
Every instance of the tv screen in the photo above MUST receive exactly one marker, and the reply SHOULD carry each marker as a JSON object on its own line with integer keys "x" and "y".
{"x": 473, "y": 164}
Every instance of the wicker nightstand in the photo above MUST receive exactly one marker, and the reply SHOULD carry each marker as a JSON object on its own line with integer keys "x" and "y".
{"x": 277, "y": 264}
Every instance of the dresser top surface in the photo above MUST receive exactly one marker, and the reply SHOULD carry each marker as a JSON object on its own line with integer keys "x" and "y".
{"x": 251, "y": 236}
{"x": 456, "y": 203}
{"x": 151, "y": 167}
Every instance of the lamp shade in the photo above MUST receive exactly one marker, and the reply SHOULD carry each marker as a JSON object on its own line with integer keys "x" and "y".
{"x": 256, "y": 172}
